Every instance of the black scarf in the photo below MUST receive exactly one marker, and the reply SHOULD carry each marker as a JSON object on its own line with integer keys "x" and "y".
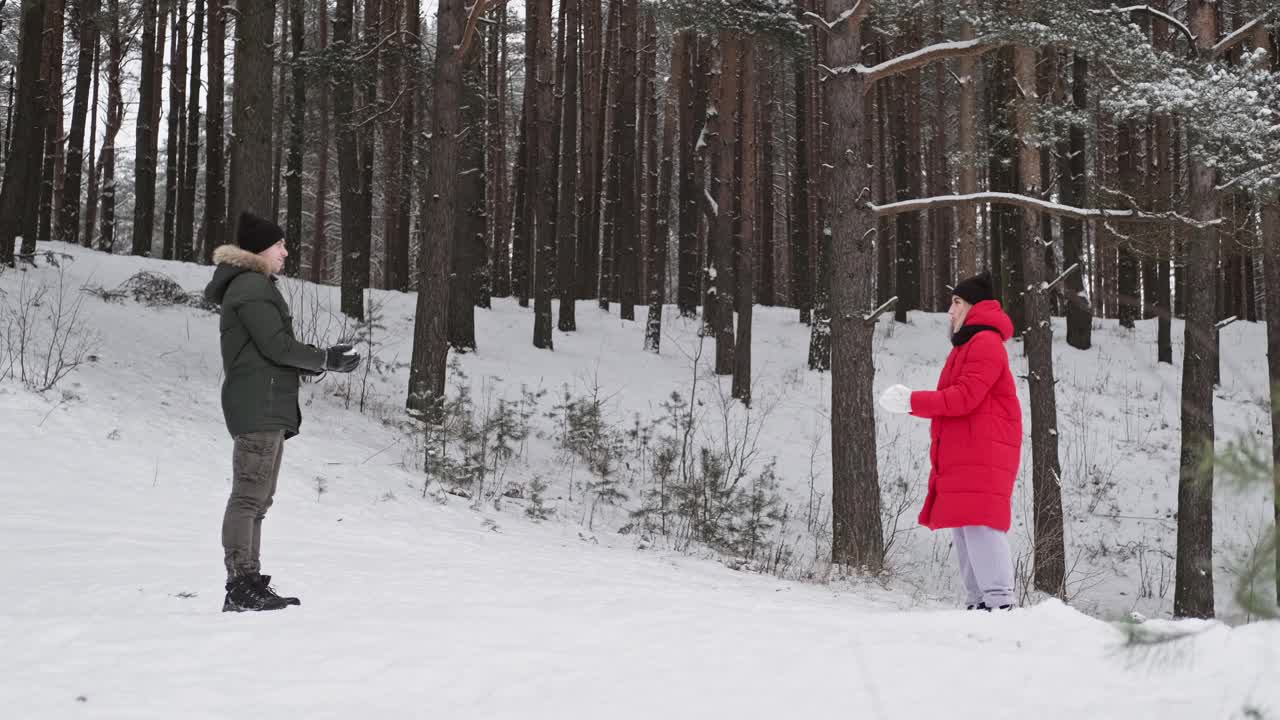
{"x": 966, "y": 333}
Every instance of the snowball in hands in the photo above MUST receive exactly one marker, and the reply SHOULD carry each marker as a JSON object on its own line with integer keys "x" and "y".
{"x": 897, "y": 399}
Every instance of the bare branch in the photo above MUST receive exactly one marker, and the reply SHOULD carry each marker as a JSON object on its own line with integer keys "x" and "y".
{"x": 1031, "y": 203}
{"x": 1225, "y": 322}
{"x": 875, "y": 314}
{"x": 1065, "y": 274}
{"x": 855, "y": 14}
{"x": 1225, "y": 45}
{"x": 919, "y": 58}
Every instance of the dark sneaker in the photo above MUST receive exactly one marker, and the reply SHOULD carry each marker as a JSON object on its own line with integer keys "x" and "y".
{"x": 988, "y": 608}
{"x": 246, "y": 593}
{"x": 265, "y": 583}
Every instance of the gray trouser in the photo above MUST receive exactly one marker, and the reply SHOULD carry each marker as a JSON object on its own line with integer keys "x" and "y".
{"x": 985, "y": 565}
{"x": 255, "y": 466}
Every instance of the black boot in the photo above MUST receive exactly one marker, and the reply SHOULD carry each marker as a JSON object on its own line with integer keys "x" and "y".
{"x": 265, "y": 581}
{"x": 246, "y": 593}
{"x": 988, "y": 608}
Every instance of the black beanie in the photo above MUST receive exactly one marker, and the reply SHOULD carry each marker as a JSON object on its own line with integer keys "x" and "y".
{"x": 256, "y": 234}
{"x": 975, "y": 289}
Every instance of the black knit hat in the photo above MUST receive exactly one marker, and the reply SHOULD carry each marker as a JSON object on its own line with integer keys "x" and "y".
{"x": 975, "y": 289}
{"x": 256, "y": 234}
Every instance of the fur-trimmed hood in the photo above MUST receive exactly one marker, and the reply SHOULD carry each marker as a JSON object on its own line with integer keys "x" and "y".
{"x": 232, "y": 261}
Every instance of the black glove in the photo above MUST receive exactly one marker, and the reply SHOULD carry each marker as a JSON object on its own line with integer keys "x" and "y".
{"x": 339, "y": 358}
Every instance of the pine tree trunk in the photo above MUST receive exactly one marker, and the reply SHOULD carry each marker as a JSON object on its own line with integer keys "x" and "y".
{"x": 627, "y": 229}
{"x": 115, "y": 118}
{"x": 144, "y": 189}
{"x": 252, "y": 110}
{"x": 1127, "y": 158}
{"x": 744, "y": 293}
{"x": 592, "y": 131}
{"x": 89, "y": 231}
{"x": 69, "y": 219}
{"x": 1193, "y": 583}
{"x": 801, "y": 289}
{"x": 320, "y": 217}
{"x": 215, "y": 215}
{"x": 174, "y": 145}
{"x": 398, "y": 88}
{"x": 1050, "y": 556}
{"x": 768, "y": 292}
{"x": 967, "y": 240}
{"x": 1006, "y": 234}
{"x": 682, "y": 68}
{"x": 496, "y": 156}
{"x": 662, "y": 229}
{"x": 907, "y": 152}
{"x": 1163, "y": 201}
{"x": 184, "y": 222}
{"x": 542, "y": 170}
{"x": 53, "y": 169}
{"x": 647, "y": 151}
{"x": 469, "y": 219}
{"x": 886, "y": 230}
{"x": 857, "y": 534}
{"x": 721, "y": 280}
{"x": 28, "y": 136}
{"x": 297, "y": 138}
{"x": 1271, "y": 269}
{"x": 427, "y": 370}
{"x": 520, "y": 231}
{"x": 366, "y": 134}
{"x": 940, "y": 221}
{"x": 568, "y": 216}
{"x": 280, "y": 114}
{"x": 355, "y": 247}
{"x": 611, "y": 180}
{"x": 1074, "y": 191}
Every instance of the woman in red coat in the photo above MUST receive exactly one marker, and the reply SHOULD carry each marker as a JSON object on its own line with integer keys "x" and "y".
{"x": 976, "y": 428}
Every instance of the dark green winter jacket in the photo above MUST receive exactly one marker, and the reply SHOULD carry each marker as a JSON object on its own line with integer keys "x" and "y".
{"x": 260, "y": 356}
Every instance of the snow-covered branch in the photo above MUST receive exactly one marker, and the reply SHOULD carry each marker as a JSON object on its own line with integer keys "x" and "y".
{"x": 855, "y": 13}
{"x": 1065, "y": 274}
{"x": 1225, "y": 45}
{"x": 919, "y": 58}
{"x": 1177, "y": 24}
{"x": 1225, "y": 322}
{"x": 875, "y": 314}
{"x": 1031, "y": 203}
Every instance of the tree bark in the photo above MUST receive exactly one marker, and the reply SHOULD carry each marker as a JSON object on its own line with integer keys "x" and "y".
{"x": 69, "y": 219}
{"x": 175, "y": 145}
{"x": 662, "y": 231}
{"x": 297, "y": 136}
{"x": 1050, "y": 555}
{"x": 355, "y": 247}
{"x": 568, "y": 215}
{"x": 592, "y": 131}
{"x": 967, "y": 241}
{"x": 520, "y": 231}
{"x": 427, "y": 370}
{"x": 542, "y": 170}
{"x": 1006, "y": 233}
{"x": 367, "y": 132}
{"x": 1074, "y": 191}
{"x": 744, "y": 293}
{"x": 857, "y": 535}
{"x": 215, "y": 215}
{"x": 251, "y": 112}
{"x": 1193, "y": 582}
{"x": 52, "y": 170}
{"x": 721, "y": 275}
{"x": 908, "y": 184}
{"x": 144, "y": 189}
{"x": 88, "y": 232}
{"x": 801, "y": 221}
{"x": 767, "y": 293}
{"x": 184, "y": 230}
{"x": 627, "y": 229}
{"x": 115, "y": 118}
{"x": 320, "y": 218}
{"x": 682, "y": 66}
{"x": 23, "y": 162}
{"x": 469, "y": 217}
{"x": 1129, "y": 298}
{"x": 496, "y": 155}
{"x": 1271, "y": 266}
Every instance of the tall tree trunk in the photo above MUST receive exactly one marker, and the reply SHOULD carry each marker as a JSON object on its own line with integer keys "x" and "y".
{"x": 1006, "y": 233}
{"x": 1074, "y": 191}
{"x": 355, "y": 246}
{"x": 820, "y": 147}
{"x": 1050, "y": 556}
{"x": 857, "y": 534}
{"x": 542, "y": 170}
{"x": 430, "y": 339}
{"x": 496, "y": 155}
{"x": 30, "y": 108}
{"x": 397, "y": 162}
{"x": 184, "y": 230}
{"x": 521, "y": 230}
{"x": 1163, "y": 201}
{"x": 908, "y": 184}
{"x": 967, "y": 240}
{"x": 568, "y": 215}
{"x": 627, "y": 238}
{"x": 767, "y": 294}
{"x": 721, "y": 275}
{"x": 1127, "y": 159}
{"x": 144, "y": 188}
{"x": 611, "y": 180}
{"x": 647, "y": 150}
{"x": 54, "y": 162}
{"x": 469, "y": 219}
{"x": 69, "y": 218}
{"x": 280, "y": 113}
{"x": 1193, "y": 582}
{"x": 366, "y": 135}
{"x": 1271, "y": 268}
{"x": 320, "y": 218}
{"x": 801, "y": 293}
{"x": 682, "y": 69}
{"x": 215, "y": 215}
{"x": 297, "y": 137}
{"x": 115, "y": 118}
{"x": 662, "y": 232}
{"x": 744, "y": 293}
{"x": 89, "y": 231}
{"x": 251, "y": 111}
{"x": 940, "y": 223}
{"x": 174, "y": 145}
{"x": 593, "y": 88}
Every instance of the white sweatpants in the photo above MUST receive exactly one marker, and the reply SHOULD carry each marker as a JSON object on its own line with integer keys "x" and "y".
{"x": 985, "y": 565}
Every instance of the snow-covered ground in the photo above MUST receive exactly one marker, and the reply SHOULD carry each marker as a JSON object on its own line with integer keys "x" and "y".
{"x": 115, "y": 481}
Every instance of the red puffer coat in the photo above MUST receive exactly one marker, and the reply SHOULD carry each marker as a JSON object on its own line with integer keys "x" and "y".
{"x": 976, "y": 428}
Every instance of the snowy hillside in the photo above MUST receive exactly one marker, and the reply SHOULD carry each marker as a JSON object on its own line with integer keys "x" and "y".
{"x": 421, "y": 602}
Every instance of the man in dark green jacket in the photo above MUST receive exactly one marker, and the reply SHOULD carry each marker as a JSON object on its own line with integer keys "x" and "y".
{"x": 262, "y": 362}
